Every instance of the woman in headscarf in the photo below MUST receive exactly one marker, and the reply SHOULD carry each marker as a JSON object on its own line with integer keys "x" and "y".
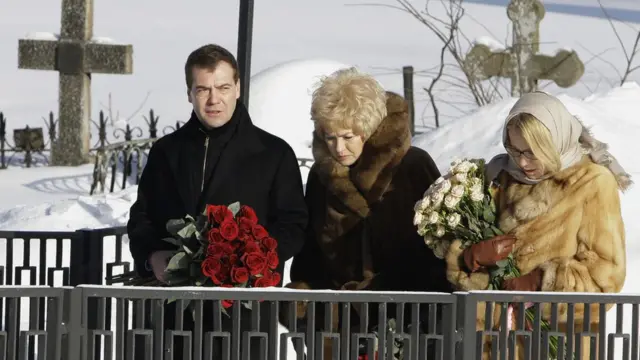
{"x": 558, "y": 201}
{"x": 361, "y": 192}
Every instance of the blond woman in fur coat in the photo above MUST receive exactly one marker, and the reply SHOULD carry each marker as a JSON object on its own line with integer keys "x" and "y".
{"x": 360, "y": 195}
{"x": 558, "y": 199}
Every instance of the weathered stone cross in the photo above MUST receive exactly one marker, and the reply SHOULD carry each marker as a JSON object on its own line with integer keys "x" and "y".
{"x": 75, "y": 57}
{"x": 522, "y": 64}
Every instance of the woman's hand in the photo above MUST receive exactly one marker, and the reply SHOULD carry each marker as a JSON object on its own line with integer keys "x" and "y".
{"x": 529, "y": 282}
{"x": 488, "y": 252}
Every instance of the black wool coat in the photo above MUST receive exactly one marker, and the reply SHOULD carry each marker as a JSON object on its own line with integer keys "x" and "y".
{"x": 244, "y": 163}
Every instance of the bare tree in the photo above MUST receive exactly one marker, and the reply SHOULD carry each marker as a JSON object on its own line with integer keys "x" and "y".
{"x": 630, "y": 55}
{"x": 452, "y": 75}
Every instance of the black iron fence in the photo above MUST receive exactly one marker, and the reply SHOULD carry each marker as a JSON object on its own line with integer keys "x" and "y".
{"x": 53, "y": 301}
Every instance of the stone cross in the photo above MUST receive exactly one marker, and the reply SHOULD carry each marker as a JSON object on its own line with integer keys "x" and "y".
{"x": 75, "y": 56}
{"x": 522, "y": 63}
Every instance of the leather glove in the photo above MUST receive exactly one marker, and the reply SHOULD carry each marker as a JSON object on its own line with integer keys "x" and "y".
{"x": 529, "y": 282}
{"x": 488, "y": 252}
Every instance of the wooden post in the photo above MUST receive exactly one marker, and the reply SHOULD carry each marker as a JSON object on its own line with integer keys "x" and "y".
{"x": 407, "y": 79}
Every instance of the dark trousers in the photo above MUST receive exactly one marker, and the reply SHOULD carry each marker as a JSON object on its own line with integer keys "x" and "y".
{"x": 223, "y": 343}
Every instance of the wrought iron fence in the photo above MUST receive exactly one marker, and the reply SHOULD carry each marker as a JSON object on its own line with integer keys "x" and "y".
{"x": 30, "y": 146}
{"x": 80, "y": 318}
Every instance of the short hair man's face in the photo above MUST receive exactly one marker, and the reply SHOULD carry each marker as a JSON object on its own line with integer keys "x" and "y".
{"x": 214, "y": 93}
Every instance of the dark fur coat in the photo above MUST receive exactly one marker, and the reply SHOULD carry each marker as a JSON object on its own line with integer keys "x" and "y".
{"x": 361, "y": 233}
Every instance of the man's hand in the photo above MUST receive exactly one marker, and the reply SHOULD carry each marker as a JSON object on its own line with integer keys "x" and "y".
{"x": 158, "y": 262}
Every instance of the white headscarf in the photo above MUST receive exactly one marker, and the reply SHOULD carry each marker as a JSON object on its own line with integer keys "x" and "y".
{"x": 570, "y": 137}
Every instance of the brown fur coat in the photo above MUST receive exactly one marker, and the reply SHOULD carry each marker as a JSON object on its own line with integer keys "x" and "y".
{"x": 570, "y": 226}
{"x": 361, "y": 233}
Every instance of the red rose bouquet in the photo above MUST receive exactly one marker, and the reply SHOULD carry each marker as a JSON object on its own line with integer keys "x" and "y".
{"x": 225, "y": 247}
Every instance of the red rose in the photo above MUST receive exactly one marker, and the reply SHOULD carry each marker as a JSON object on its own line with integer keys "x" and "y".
{"x": 255, "y": 262}
{"x": 227, "y": 303}
{"x": 248, "y": 213}
{"x": 214, "y": 236}
{"x": 269, "y": 243}
{"x": 219, "y": 250}
{"x": 211, "y": 268}
{"x": 225, "y": 272}
{"x": 245, "y": 225}
{"x": 275, "y": 278}
{"x": 245, "y": 238}
{"x": 233, "y": 259}
{"x": 239, "y": 274}
{"x": 229, "y": 230}
{"x": 218, "y": 213}
{"x": 259, "y": 232}
{"x": 262, "y": 282}
{"x": 272, "y": 259}
{"x": 252, "y": 247}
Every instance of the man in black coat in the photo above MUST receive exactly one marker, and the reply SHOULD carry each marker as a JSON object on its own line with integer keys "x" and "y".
{"x": 218, "y": 157}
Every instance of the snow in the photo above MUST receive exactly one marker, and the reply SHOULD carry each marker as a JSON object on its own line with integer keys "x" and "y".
{"x": 288, "y": 57}
{"x": 280, "y": 100}
{"x": 493, "y": 44}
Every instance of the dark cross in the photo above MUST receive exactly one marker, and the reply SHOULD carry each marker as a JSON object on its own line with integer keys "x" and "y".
{"x": 75, "y": 57}
{"x": 245, "y": 32}
{"x": 522, "y": 63}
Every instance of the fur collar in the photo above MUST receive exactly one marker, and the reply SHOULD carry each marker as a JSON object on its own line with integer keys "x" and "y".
{"x": 364, "y": 184}
{"x": 353, "y": 190}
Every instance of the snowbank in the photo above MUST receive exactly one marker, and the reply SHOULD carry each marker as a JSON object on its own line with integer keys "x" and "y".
{"x": 281, "y": 100}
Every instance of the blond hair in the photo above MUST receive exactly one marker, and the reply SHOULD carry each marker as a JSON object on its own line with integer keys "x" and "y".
{"x": 348, "y": 99}
{"x": 538, "y": 137}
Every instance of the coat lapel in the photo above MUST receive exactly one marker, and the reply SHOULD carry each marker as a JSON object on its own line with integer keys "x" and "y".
{"x": 242, "y": 145}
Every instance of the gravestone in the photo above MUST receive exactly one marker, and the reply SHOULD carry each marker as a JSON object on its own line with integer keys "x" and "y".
{"x": 75, "y": 56}
{"x": 522, "y": 63}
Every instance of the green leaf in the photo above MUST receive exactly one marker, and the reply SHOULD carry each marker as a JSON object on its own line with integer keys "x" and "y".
{"x": 503, "y": 263}
{"x": 175, "y": 225}
{"x": 187, "y": 250}
{"x": 488, "y": 233}
{"x": 173, "y": 241}
{"x": 202, "y": 281}
{"x": 235, "y": 207}
{"x": 187, "y": 231}
{"x": 488, "y": 215}
{"x": 247, "y": 304}
{"x": 195, "y": 270}
{"x": 178, "y": 261}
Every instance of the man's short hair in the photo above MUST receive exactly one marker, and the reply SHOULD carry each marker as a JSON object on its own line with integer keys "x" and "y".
{"x": 209, "y": 56}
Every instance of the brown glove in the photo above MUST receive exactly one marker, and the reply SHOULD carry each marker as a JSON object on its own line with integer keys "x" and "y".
{"x": 529, "y": 282}
{"x": 488, "y": 252}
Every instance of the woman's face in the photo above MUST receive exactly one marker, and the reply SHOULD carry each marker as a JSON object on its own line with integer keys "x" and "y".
{"x": 522, "y": 155}
{"x": 345, "y": 146}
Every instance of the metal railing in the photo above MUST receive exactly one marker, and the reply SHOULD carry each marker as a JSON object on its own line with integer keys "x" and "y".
{"x": 58, "y": 305}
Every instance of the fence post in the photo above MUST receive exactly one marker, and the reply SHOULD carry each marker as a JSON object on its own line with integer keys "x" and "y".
{"x": 466, "y": 308}
{"x": 85, "y": 265}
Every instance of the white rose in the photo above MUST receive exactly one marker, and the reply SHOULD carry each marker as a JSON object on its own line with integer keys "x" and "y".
{"x": 439, "y": 180}
{"x": 434, "y": 217}
{"x": 429, "y": 240}
{"x": 477, "y": 196}
{"x": 444, "y": 186}
{"x": 476, "y": 185}
{"x": 422, "y": 205}
{"x": 457, "y": 191}
{"x": 451, "y": 201}
{"x": 453, "y": 220}
{"x": 418, "y": 218}
{"x": 436, "y": 199}
{"x": 439, "y": 231}
{"x": 455, "y": 163}
{"x": 460, "y": 178}
{"x": 463, "y": 167}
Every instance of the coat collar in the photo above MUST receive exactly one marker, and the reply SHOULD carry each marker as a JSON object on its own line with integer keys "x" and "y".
{"x": 363, "y": 184}
{"x": 243, "y": 142}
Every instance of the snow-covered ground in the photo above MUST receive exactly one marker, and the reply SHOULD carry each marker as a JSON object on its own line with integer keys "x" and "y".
{"x": 294, "y": 43}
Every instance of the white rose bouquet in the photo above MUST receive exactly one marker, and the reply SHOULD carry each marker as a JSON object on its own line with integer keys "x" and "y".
{"x": 459, "y": 205}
